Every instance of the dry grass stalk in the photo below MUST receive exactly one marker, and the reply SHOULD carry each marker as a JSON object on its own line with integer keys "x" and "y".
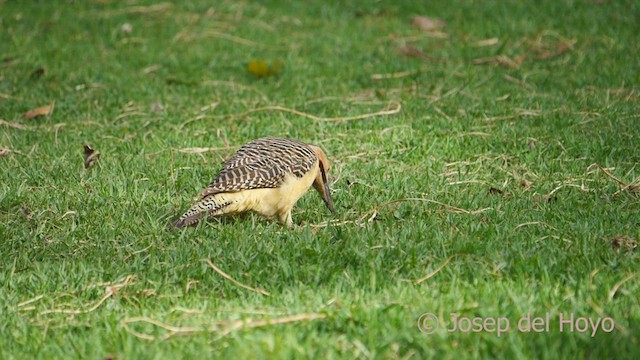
{"x": 226, "y": 276}
{"x": 222, "y": 328}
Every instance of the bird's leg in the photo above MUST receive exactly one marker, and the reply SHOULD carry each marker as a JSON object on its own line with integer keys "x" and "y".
{"x": 285, "y": 218}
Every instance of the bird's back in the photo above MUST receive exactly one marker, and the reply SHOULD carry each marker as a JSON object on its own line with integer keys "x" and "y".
{"x": 262, "y": 163}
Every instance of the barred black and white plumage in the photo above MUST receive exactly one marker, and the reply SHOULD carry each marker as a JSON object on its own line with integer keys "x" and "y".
{"x": 267, "y": 175}
{"x": 262, "y": 163}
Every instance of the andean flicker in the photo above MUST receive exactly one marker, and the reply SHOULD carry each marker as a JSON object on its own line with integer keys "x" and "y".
{"x": 266, "y": 176}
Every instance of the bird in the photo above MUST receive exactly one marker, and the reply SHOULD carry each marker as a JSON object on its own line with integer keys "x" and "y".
{"x": 267, "y": 176}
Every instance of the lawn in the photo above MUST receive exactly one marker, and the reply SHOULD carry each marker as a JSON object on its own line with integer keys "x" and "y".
{"x": 485, "y": 173}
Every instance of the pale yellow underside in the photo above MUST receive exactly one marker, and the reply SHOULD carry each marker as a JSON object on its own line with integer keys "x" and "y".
{"x": 270, "y": 202}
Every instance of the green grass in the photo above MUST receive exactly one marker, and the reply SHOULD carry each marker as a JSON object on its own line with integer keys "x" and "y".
{"x": 69, "y": 235}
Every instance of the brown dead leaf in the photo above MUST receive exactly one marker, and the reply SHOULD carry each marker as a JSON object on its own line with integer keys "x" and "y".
{"x": 40, "y": 111}
{"x": 525, "y": 183}
{"x": 426, "y": 23}
{"x": 90, "y": 156}
{"x": 624, "y": 242}
{"x": 537, "y": 199}
{"x": 37, "y": 73}
{"x": 4, "y": 152}
{"x": 412, "y": 52}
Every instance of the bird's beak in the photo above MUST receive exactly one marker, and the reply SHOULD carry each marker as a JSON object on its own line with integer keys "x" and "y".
{"x": 322, "y": 186}
{"x": 327, "y": 198}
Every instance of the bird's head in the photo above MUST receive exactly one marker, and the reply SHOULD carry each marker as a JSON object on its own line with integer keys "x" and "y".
{"x": 321, "y": 183}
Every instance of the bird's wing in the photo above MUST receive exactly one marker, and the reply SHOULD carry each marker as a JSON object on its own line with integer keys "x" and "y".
{"x": 257, "y": 175}
{"x": 261, "y": 165}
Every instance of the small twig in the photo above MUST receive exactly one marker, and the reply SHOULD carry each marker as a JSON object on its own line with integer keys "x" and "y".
{"x": 413, "y": 52}
{"x": 15, "y": 125}
{"x": 185, "y": 311}
{"x": 138, "y": 10}
{"x": 70, "y": 212}
{"x": 623, "y": 329}
{"x": 137, "y": 252}
{"x": 534, "y": 223}
{"x": 437, "y": 109}
{"x": 502, "y": 60}
{"x": 109, "y": 292}
{"x": 394, "y": 108}
{"x": 434, "y": 272}
{"x": 396, "y": 75}
{"x": 197, "y": 150}
{"x": 593, "y": 274}
{"x": 581, "y": 187}
{"x": 216, "y": 269}
{"x": 615, "y": 287}
{"x": 128, "y": 114}
{"x": 56, "y": 128}
{"x": 486, "y": 42}
{"x": 9, "y": 97}
{"x": 371, "y": 214}
{"x": 252, "y": 324}
{"x": 610, "y": 175}
{"x": 5, "y": 152}
{"x": 453, "y": 209}
{"x": 107, "y": 295}
{"x": 246, "y": 312}
{"x": 172, "y": 329}
{"x": 332, "y": 223}
{"x": 125, "y": 282}
{"x": 473, "y": 181}
{"x": 27, "y": 302}
{"x": 632, "y": 187}
{"x": 232, "y": 38}
{"x": 221, "y": 327}
{"x": 474, "y": 133}
{"x": 522, "y": 113}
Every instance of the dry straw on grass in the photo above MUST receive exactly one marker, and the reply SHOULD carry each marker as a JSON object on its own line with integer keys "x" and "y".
{"x": 393, "y": 108}
{"x": 226, "y": 276}
{"x": 373, "y": 213}
{"x": 221, "y": 328}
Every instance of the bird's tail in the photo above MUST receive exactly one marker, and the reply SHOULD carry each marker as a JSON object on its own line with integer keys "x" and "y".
{"x": 209, "y": 205}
